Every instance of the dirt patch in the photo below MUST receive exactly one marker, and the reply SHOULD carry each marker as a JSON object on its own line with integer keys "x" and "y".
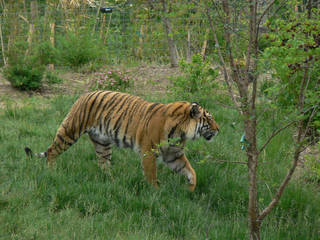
{"x": 152, "y": 80}
{"x": 8, "y": 92}
{"x": 149, "y": 80}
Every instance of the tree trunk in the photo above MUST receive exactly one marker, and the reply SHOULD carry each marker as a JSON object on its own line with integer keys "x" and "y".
{"x": 251, "y": 127}
{"x": 205, "y": 43}
{"x": 2, "y": 47}
{"x": 189, "y": 46}
{"x": 97, "y": 17}
{"x": 34, "y": 13}
{"x": 168, "y": 28}
{"x": 52, "y": 35}
{"x": 103, "y": 26}
{"x": 252, "y": 154}
{"x": 139, "y": 51}
{"x": 108, "y": 27}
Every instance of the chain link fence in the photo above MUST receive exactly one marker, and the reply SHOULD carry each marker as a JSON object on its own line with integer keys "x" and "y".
{"x": 116, "y": 33}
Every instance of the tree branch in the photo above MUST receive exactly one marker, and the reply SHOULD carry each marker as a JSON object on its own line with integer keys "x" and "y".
{"x": 298, "y": 148}
{"x": 233, "y": 162}
{"x": 264, "y": 13}
{"x": 314, "y": 111}
{"x": 284, "y": 183}
{"x": 314, "y": 141}
{"x": 223, "y": 64}
{"x": 275, "y": 133}
{"x": 24, "y": 19}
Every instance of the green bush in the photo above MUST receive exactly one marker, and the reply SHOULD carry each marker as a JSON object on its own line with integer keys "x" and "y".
{"x": 24, "y": 76}
{"x": 26, "y": 65}
{"x": 198, "y": 78}
{"x": 76, "y": 50}
{"x": 17, "y": 53}
{"x": 46, "y": 53}
{"x": 293, "y": 57}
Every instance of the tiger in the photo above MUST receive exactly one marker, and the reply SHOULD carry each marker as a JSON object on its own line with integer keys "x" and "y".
{"x": 124, "y": 120}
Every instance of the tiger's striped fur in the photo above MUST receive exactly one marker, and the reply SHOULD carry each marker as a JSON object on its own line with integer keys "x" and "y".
{"x": 114, "y": 118}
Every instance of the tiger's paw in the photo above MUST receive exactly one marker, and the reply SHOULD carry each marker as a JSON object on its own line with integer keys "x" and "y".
{"x": 52, "y": 165}
{"x": 191, "y": 187}
{"x": 104, "y": 165}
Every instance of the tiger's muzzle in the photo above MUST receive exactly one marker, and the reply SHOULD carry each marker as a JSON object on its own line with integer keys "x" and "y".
{"x": 210, "y": 134}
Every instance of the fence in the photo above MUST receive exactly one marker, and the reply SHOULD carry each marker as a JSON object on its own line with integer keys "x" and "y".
{"x": 128, "y": 32}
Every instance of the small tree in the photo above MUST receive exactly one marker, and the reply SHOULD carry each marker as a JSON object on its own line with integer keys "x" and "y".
{"x": 243, "y": 21}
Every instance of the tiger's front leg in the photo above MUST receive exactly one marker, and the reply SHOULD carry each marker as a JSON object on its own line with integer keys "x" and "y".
{"x": 177, "y": 161}
{"x": 189, "y": 172}
{"x": 150, "y": 167}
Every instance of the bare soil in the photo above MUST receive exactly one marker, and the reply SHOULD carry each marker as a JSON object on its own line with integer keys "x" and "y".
{"x": 149, "y": 80}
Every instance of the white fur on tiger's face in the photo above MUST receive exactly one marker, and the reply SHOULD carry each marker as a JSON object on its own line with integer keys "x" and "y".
{"x": 123, "y": 120}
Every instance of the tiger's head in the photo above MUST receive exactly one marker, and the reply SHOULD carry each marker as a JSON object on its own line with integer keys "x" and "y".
{"x": 205, "y": 126}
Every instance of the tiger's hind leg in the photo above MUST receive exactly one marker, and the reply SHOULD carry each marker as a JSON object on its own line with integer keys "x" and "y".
{"x": 62, "y": 141}
{"x": 103, "y": 151}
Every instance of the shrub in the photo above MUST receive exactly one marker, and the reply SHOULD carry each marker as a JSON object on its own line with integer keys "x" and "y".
{"x": 76, "y": 50}
{"x": 198, "y": 77}
{"x": 24, "y": 76}
{"x": 293, "y": 57}
{"x": 111, "y": 80}
{"x": 46, "y": 53}
{"x": 25, "y": 67}
{"x": 17, "y": 53}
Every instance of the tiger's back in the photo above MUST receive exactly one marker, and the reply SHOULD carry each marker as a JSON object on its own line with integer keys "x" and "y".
{"x": 116, "y": 117}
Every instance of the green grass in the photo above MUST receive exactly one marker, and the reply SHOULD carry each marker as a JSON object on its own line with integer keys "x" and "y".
{"x": 80, "y": 201}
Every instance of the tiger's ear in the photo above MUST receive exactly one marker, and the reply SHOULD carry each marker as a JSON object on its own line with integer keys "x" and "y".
{"x": 195, "y": 111}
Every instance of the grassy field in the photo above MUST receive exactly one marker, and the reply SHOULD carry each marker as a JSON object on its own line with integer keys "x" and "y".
{"x": 78, "y": 200}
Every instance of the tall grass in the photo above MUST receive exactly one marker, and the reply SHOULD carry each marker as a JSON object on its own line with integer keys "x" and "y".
{"x": 78, "y": 200}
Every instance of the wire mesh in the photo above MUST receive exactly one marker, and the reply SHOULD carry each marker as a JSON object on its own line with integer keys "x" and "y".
{"x": 123, "y": 33}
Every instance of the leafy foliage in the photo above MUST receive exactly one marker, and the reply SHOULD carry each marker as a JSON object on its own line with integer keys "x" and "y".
{"x": 295, "y": 49}
{"x": 293, "y": 57}
{"x": 78, "y": 49}
{"x": 24, "y": 77}
{"x": 26, "y": 64}
{"x": 46, "y": 53}
{"x": 24, "y": 70}
{"x": 198, "y": 78}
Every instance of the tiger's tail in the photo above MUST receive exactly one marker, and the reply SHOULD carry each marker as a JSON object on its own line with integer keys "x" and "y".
{"x": 30, "y": 153}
